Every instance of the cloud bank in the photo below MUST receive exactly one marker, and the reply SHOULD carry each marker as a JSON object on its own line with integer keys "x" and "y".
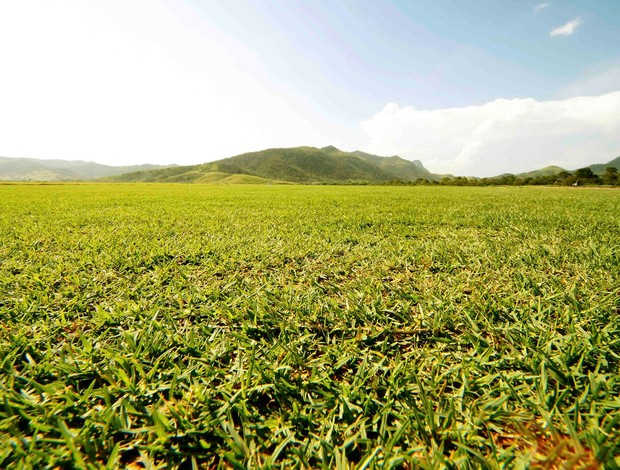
{"x": 567, "y": 29}
{"x": 501, "y": 136}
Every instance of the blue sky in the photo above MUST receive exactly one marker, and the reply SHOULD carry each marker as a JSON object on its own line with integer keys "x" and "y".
{"x": 426, "y": 53}
{"x": 468, "y": 87}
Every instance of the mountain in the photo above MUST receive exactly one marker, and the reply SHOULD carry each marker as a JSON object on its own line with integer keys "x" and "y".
{"x": 32, "y": 169}
{"x": 280, "y": 165}
{"x": 399, "y": 168}
{"x": 551, "y": 170}
{"x": 294, "y": 165}
{"x": 599, "y": 168}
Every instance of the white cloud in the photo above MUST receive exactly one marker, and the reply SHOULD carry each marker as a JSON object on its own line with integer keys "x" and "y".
{"x": 501, "y": 136}
{"x": 567, "y": 29}
{"x": 541, "y": 6}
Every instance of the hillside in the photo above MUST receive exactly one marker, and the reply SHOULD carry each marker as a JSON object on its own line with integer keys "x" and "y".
{"x": 546, "y": 171}
{"x": 599, "y": 168}
{"x": 32, "y": 169}
{"x": 399, "y": 168}
{"x": 271, "y": 166}
{"x": 296, "y": 165}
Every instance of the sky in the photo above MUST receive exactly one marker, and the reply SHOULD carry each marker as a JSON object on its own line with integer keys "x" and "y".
{"x": 469, "y": 87}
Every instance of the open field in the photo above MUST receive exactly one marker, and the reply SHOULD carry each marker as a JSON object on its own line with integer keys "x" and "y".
{"x": 309, "y": 326}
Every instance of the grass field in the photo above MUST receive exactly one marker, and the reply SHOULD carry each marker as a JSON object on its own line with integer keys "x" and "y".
{"x": 309, "y": 326}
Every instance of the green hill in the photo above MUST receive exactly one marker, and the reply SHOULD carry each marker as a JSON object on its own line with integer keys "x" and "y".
{"x": 599, "y": 168}
{"x": 32, "y": 169}
{"x": 296, "y": 165}
{"x": 546, "y": 171}
{"x": 399, "y": 168}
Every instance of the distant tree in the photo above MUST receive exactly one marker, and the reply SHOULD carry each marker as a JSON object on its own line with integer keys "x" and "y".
{"x": 611, "y": 176}
{"x": 562, "y": 176}
{"x": 570, "y": 180}
{"x": 460, "y": 181}
{"x": 543, "y": 180}
{"x": 584, "y": 174}
{"x": 507, "y": 179}
{"x": 587, "y": 176}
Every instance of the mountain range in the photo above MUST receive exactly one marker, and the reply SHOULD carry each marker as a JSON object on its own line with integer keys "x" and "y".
{"x": 292, "y": 165}
{"x": 32, "y": 169}
{"x": 597, "y": 168}
{"x": 280, "y": 165}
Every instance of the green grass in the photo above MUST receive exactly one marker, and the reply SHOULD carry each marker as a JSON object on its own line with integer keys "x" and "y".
{"x": 317, "y": 327}
{"x": 247, "y": 179}
{"x": 212, "y": 177}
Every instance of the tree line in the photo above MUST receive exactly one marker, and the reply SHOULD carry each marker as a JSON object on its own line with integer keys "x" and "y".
{"x": 580, "y": 177}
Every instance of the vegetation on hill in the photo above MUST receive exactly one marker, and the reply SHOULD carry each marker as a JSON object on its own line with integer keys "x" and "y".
{"x": 307, "y": 165}
{"x": 551, "y": 170}
{"x": 549, "y": 176}
{"x": 297, "y": 165}
{"x": 600, "y": 168}
{"x": 169, "y": 326}
{"x": 330, "y": 165}
{"x": 399, "y": 168}
{"x": 32, "y": 169}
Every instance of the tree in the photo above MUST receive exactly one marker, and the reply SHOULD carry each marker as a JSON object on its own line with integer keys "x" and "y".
{"x": 585, "y": 174}
{"x": 610, "y": 176}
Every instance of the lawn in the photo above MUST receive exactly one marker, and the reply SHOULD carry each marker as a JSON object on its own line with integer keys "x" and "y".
{"x": 309, "y": 326}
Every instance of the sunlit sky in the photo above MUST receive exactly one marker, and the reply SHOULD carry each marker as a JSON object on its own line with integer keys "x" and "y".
{"x": 469, "y": 87}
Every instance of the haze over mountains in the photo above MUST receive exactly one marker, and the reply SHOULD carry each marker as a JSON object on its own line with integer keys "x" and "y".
{"x": 280, "y": 165}
{"x": 32, "y": 169}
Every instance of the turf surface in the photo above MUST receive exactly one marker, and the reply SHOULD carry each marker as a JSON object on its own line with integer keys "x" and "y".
{"x": 308, "y": 326}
